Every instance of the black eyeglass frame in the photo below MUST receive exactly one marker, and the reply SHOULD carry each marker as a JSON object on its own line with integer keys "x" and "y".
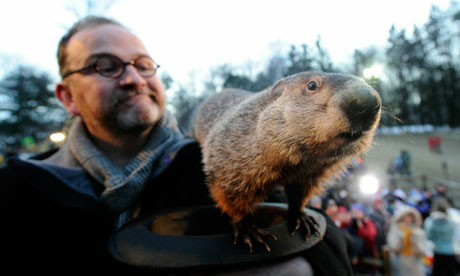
{"x": 93, "y": 66}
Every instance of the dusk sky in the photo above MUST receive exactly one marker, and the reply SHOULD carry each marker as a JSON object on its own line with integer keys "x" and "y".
{"x": 191, "y": 37}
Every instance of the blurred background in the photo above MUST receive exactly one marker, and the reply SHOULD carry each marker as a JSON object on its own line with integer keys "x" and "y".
{"x": 407, "y": 50}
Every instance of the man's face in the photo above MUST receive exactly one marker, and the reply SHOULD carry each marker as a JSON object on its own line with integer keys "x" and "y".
{"x": 332, "y": 209}
{"x": 357, "y": 213}
{"x": 441, "y": 189}
{"x": 378, "y": 205}
{"x": 128, "y": 104}
{"x": 408, "y": 219}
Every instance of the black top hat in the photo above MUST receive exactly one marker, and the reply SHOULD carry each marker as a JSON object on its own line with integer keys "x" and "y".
{"x": 200, "y": 237}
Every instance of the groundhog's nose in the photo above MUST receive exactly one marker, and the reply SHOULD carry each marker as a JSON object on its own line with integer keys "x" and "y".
{"x": 361, "y": 107}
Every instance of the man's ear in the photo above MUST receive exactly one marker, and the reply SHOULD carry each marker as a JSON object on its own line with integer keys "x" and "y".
{"x": 64, "y": 95}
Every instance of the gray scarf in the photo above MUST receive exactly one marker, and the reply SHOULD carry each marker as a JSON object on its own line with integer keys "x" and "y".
{"x": 123, "y": 185}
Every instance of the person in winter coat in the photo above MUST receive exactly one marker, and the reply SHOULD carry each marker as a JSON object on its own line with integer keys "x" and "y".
{"x": 363, "y": 231}
{"x": 440, "y": 229}
{"x": 380, "y": 217}
{"x": 407, "y": 242}
{"x": 364, "y": 228}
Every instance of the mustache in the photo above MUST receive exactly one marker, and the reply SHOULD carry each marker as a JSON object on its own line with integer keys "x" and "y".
{"x": 128, "y": 93}
{"x": 134, "y": 92}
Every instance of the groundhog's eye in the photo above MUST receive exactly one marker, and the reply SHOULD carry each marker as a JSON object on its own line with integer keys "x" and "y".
{"x": 312, "y": 86}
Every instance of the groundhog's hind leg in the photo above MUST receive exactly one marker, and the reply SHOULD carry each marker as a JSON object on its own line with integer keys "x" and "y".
{"x": 297, "y": 194}
{"x": 239, "y": 208}
{"x": 249, "y": 232}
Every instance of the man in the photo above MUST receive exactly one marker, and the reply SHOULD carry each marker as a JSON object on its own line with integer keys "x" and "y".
{"x": 381, "y": 220}
{"x": 441, "y": 192}
{"x": 393, "y": 196}
{"x": 124, "y": 158}
{"x": 364, "y": 232}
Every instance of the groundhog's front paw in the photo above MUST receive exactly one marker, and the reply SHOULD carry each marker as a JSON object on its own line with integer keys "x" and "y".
{"x": 248, "y": 232}
{"x": 304, "y": 223}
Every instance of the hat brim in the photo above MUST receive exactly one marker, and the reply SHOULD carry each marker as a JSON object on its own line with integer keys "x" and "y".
{"x": 201, "y": 237}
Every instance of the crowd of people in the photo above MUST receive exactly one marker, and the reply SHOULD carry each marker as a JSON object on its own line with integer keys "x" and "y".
{"x": 417, "y": 233}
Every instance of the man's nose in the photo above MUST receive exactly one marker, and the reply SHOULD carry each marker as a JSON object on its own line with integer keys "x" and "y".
{"x": 131, "y": 77}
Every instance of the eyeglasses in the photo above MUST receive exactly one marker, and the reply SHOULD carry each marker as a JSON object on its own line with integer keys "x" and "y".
{"x": 113, "y": 67}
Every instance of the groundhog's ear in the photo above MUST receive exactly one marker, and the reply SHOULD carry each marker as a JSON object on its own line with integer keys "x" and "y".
{"x": 278, "y": 88}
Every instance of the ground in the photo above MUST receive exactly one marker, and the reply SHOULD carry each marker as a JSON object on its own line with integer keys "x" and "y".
{"x": 387, "y": 146}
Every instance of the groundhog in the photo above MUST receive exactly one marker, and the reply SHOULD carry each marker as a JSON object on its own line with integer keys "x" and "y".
{"x": 296, "y": 133}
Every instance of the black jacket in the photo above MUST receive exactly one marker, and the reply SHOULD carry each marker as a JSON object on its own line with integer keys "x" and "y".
{"x": 48, "y": 226}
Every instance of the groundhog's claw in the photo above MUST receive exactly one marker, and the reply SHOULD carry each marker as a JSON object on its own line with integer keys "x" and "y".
{"x": 250, "y": 232}
{"x": 305, "y": 223}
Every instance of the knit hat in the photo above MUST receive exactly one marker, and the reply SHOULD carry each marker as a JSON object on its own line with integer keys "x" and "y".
{"x": 378, "y": 200}
{"x": 358, "y": 206}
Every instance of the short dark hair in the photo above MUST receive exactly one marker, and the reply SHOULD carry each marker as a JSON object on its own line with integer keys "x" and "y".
{"x": 440, "y": 204}
{"x": 90, "y": 21}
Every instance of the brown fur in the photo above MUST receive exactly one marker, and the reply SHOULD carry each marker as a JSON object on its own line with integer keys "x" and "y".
{"x": 283, "y": 135}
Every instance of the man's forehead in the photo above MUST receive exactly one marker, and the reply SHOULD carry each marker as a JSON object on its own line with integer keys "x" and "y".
{"x": 110, "y": 39}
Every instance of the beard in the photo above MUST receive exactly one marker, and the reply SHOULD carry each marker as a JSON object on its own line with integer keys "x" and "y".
{"x": 134, "y": 112}
{"x": 133, "y": 121}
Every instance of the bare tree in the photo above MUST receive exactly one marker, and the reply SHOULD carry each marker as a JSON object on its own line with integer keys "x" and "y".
{"x": 90, "y": 7}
